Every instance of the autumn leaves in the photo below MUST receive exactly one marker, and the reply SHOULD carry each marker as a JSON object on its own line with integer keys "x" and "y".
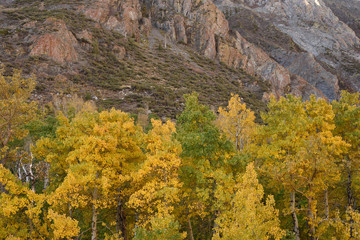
{"x": 289, "y": 175}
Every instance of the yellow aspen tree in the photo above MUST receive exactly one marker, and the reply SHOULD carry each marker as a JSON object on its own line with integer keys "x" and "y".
{"x": 13, "y": 201}
{"x": 347, "y": 121}
{"x": 346, "y": 226}
{"x": 23, "y": 215}
{"x": 158, "y": 184}
{"x": 15, "y": 112}
{"x": 237, "y": 122}
{"x": 94, "y": 153}
{"x": 63, "y": 226}
{"x": 299, "y": 151}
{"x": 22, "y": 212}
{"x": 164, "y": 226}
{"x": 249, "y": 217}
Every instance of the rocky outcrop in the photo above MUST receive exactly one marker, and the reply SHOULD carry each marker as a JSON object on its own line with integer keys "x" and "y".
{"x": 241, "y": 53}
{"x": 310, "y": 23}
{"x": 84, "y": 35}
{"x": 58, "y": 43}
{"x": 313, "y": 28}
{"x": 237, "y": 52}
{"x": 201, "y": 19}
{"x": 204, "y": 26}
{"x": 124, "y": 17}
{"x": 179, "y": 29}
{"x": 348, "y": 11}
{"x": 306, "y": 66}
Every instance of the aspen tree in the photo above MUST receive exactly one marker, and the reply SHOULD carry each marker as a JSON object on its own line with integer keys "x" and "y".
{"x": 237, "y": 122}
{"x": 347, "y": 121}
{"x": 205, "y": 166}
{"x": 93, "y": 154}
{"x": 158, "y": 181}
{"x": 249, "y": 217}
{"x": 299, "y": 151}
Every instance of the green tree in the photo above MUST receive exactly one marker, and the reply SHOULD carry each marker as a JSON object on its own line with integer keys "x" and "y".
{"x": 205, "y": 168}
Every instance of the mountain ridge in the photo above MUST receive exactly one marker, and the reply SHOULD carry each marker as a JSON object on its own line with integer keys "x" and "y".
{"x": 313, "y": 28}
{"x": 108, "y": 46}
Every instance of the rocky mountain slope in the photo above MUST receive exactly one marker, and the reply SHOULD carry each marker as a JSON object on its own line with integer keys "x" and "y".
{"x": 305, "y": 36}
{"x": 347, "y": 11}
{"x": 142, "y": 55}
{"x": 108, "y": 51}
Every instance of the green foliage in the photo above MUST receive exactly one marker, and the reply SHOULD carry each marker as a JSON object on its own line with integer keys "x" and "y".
{"x": 205, "y": 154}
{"x": 163, "y": 228}
{"x": 199, "y": 136}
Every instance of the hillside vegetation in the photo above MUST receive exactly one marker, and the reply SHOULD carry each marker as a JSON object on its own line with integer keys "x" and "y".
{"x": 132, "y": 74}
{"x": 70, "y": 171}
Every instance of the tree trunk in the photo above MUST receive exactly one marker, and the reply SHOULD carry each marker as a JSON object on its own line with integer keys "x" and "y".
{"x": 94, "y": 217}
{"x": 46, "y": 177}
{"x": 31, "y": 227}
{"x": 191, "y": 235}
{"x": 70, "y": 211}
{"x": 120, "y": 221}
{"x": 136, "y": 221}
{"x": 215, "y": 225}
{"x": 350, "y": 196}
{"x": 94, "y": 224}
{"x": 311, "y": 220}
{"x": 295, "y": 219}
{"x": 326, "y": 198}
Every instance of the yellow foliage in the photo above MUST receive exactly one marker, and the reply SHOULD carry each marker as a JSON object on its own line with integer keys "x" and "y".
{"x": 157, "y": 181}
{"x": 237, "y": 122}
{"x": 300, "y": 150}
{"x": 347, "y": 226}
{"x": 63, "y": 226}
{"x": 15, "y": 110}
{"x": 20, "y": 209}
{"x": 249, "y": 217}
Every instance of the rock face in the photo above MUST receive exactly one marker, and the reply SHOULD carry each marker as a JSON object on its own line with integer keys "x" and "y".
{"x": 297, "y": 46}
{"x": 179, "y": 29}
{"x": 85, "y": 36}
{"x": 59, "y": 44}
{"x": 330, "y": 44}
{"x": 240, "y": 53}
{"x": 122, "y": 16}
{"x": 348, "y": 11}
{"x": 306, "y": 66}
{"x": 204, "y": 26}
{"x": 193, "y": 21}
{"x": 323, "y": 31}
{"x": 310, "y": 23}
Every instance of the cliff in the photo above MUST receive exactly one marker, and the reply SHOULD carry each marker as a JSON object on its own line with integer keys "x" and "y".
{"x": 143, "y": 55}
{"x": 306, "y": 26}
